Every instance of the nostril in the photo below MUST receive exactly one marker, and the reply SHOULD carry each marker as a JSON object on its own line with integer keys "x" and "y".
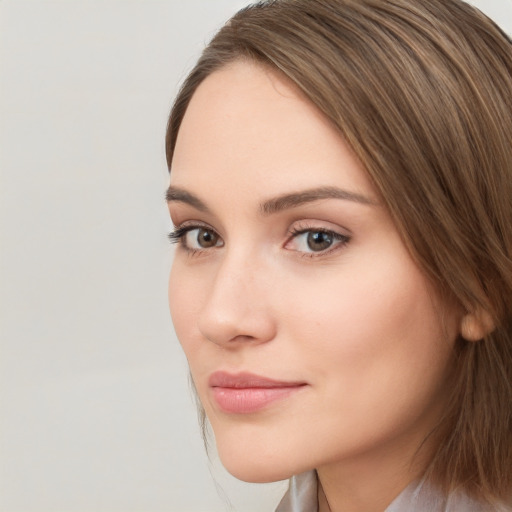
{"x": 244, "y": 338}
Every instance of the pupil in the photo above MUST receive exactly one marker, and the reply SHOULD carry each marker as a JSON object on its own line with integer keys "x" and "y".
{"x": 318, "y": 241}
{"x": 206, "y": 238}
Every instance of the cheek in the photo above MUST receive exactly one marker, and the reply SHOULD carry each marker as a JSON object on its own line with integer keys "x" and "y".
{"x": 375, "y": 341}
{"x": 182, "y": 305}
{"x": 372, "y": 303}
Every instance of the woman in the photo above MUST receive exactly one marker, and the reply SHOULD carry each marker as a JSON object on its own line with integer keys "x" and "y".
{"x": 340, "y": 183}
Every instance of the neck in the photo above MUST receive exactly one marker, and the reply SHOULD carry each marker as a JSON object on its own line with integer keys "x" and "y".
{"x": 369, "y": 483}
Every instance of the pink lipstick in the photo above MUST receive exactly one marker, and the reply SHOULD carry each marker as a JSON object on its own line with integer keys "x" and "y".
{"x": 245, "y": 393}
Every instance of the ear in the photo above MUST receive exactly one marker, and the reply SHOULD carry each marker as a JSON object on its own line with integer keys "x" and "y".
{"x": 475, "y": 325}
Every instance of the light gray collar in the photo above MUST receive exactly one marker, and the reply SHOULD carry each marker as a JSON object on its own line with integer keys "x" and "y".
{"x": 418, "y": 497}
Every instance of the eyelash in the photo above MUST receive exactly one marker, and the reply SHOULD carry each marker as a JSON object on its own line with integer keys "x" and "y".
{"x": 342, "y": 239}
{"x": 178, "y": 237}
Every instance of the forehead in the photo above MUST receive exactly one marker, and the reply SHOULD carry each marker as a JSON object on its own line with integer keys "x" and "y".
{"x": 249, "y": 127}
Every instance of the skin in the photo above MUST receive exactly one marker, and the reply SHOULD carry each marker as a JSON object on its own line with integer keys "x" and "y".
{"x": 357, "y": 322}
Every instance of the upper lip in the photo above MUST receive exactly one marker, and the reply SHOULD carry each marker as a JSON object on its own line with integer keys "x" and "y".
{"x": 248, "y": 380}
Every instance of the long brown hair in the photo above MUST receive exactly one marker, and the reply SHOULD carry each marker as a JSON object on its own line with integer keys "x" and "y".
{"x": 422, "y": 92}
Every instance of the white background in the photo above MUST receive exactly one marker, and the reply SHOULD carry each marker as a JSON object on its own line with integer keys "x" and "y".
{"x": 95, "y": 409}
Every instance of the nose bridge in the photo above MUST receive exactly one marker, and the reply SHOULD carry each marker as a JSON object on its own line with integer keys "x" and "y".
{"x": 235, "y": 283}
{"x": 237, "y": 307}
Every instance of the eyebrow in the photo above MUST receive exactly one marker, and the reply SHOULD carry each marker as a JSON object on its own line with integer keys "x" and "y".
{"x": 294, "y": 199}
{"x": 276, "y": 204}
{"x": 182, "y": 196}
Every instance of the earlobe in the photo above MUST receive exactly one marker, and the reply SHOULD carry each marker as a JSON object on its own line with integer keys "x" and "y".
{"x": 476, "y": 325}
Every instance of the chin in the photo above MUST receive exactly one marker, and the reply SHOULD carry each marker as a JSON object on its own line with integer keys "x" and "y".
{"x": 254, "y": 463}
{"x": 256, "y": 472}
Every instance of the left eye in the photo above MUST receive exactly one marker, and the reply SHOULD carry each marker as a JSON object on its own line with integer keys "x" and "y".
{"x": 315, "y": 241}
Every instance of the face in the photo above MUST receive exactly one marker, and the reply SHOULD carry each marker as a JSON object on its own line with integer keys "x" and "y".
{"x": 312, "y": 336}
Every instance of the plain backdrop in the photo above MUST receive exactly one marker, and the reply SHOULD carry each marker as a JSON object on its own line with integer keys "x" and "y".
{"x": 96, "y": 413}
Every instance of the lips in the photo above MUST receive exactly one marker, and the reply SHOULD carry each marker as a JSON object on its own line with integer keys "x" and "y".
{"x": 245, "y": 393}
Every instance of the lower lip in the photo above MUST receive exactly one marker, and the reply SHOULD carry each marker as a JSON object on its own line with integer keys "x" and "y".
{"x": 249, "y": 400}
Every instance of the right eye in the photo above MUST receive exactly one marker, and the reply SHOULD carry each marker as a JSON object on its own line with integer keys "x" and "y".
{"x": 201, "y": 238}
{"x": 196, "y": 238}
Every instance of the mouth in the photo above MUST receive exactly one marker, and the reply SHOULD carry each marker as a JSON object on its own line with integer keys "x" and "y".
{"x": 246, "y": 393}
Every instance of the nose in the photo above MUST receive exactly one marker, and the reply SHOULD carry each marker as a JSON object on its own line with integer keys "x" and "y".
{"x": 238, "y": 308}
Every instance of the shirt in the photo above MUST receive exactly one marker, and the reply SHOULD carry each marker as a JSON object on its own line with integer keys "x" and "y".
{"x": 417, "y": 497}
